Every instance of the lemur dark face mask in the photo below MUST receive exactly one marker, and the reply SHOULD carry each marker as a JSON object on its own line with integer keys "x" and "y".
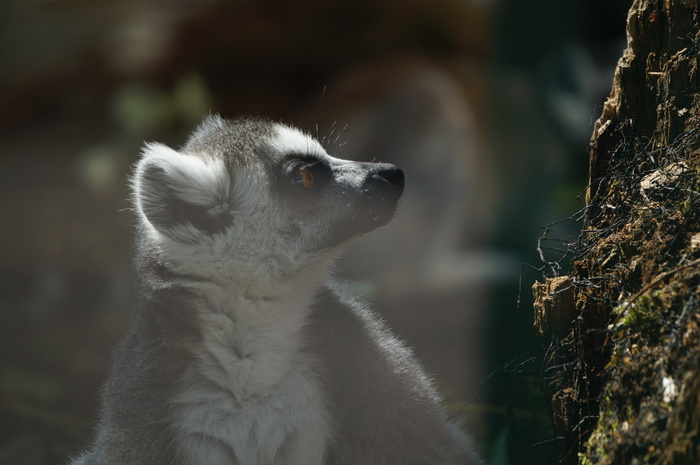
{"x": 358, "y": 197}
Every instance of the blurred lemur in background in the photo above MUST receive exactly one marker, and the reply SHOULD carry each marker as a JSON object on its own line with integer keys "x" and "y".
{"x": 239, "y": 351}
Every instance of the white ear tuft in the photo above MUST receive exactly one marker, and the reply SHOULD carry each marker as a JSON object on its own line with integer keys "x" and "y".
{"x": 172, "y": 189}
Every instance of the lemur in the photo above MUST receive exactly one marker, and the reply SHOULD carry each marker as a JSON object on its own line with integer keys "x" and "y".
{"x": 239, "y": 352}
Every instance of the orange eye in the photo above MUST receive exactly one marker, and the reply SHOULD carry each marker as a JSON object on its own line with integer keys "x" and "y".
{"x": 304, "y": 177}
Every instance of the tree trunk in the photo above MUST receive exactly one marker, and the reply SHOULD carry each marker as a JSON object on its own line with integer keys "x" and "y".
{"x": 627, "y": 383}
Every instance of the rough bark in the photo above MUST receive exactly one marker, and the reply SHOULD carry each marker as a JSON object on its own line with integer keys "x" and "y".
{"x": 626, "y": 387}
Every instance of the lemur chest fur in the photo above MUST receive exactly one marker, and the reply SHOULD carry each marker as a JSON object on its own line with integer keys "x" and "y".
{"x": 253, "y": 389}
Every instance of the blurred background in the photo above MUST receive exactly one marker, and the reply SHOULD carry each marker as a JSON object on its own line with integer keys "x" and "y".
{"x": 487, "y": 105}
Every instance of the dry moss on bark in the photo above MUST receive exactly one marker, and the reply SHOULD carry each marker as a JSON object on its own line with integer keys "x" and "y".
{"x": 625, "y": 380}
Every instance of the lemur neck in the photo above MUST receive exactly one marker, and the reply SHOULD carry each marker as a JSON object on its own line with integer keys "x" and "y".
{"x": 243, "y": 320}
{"x": 251, "y": 343}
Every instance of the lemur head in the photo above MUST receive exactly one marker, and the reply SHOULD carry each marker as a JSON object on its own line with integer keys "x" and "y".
{"x": 251, "y": 198}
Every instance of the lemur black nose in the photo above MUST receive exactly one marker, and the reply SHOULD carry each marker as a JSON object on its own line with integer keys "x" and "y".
{"x": 392, "y": 174}
{"x": 383, "y": 178}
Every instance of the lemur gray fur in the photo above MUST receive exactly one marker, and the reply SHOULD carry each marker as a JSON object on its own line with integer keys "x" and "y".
{"x": 238, "y": 352}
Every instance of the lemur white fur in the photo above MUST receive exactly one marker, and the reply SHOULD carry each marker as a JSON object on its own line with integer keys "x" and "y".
{"x": 239, "y": 353}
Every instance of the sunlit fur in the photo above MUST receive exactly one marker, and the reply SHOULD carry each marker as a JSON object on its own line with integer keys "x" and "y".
{"x": 239, "y": 353}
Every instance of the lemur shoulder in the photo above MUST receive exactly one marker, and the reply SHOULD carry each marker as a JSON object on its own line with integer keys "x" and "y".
{"x": 239, "y": 351}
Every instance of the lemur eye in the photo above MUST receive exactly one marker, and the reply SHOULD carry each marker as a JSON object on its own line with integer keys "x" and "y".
{"x": 304, "y": 177}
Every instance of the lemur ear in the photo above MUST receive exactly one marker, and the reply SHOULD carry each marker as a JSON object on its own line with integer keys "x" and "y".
{"x": 176, "y": 192}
